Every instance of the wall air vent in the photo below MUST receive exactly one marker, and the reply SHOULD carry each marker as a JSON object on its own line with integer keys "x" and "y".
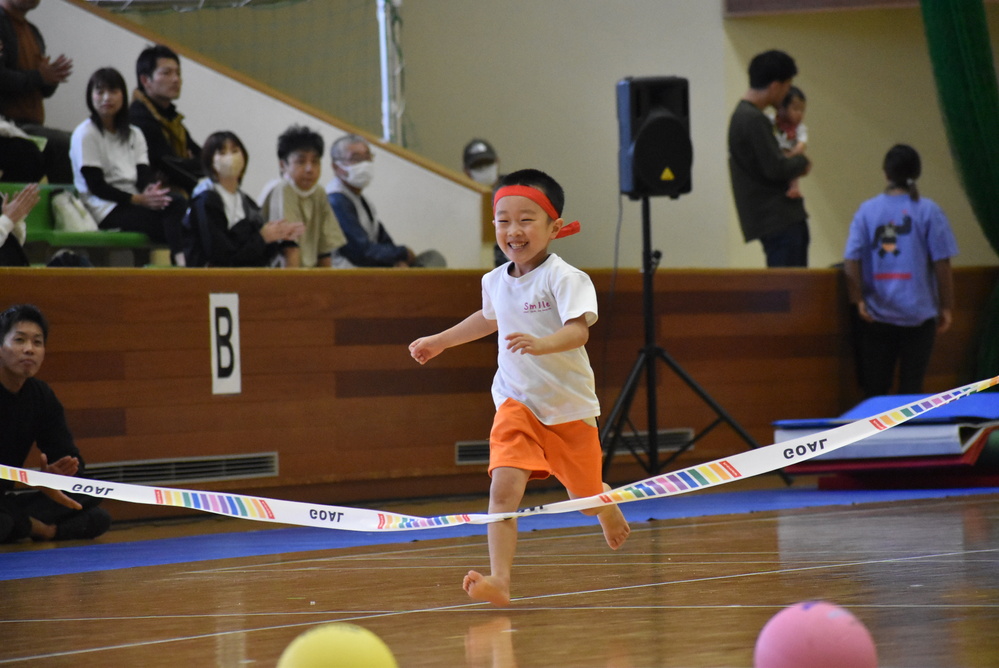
{"x": 187, "y": 469}
{"x": 467, "y": 453}
{"x": 670, "y": 440}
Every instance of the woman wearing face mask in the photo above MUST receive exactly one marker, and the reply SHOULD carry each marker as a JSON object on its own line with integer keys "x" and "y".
{"x": 111, "y": 169}
{"x": 225, "y": 228}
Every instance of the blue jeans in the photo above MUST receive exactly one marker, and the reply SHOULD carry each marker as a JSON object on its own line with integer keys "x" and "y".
{"x": 788, "y": 248}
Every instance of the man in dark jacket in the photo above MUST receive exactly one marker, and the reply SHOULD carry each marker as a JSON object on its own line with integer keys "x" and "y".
{"x": 27, "y": 77}
{"x": 173, "y": 154}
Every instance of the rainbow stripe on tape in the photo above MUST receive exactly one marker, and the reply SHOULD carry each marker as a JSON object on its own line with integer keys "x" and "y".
{"x": 891, "y": 418}
{"x": 222, "y": 504}
{"x": 725, "y": 470}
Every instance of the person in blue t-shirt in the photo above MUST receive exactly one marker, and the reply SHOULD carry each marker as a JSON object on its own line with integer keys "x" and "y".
{"x": 897, "y": 264}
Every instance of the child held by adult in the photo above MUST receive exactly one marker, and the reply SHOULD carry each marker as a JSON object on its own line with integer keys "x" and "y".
{"x": 898, "y": 273}
{"x": 111, "y": 169}
{"x": 791, "y": 131}
{"x": 225, "y": 227}
{"x": 544, "y": 391}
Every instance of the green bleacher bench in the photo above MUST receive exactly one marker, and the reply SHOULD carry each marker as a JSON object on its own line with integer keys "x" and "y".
{"x": 40, "y": 225}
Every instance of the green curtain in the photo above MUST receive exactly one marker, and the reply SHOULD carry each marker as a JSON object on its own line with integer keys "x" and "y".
{"x": 961, "y": 53}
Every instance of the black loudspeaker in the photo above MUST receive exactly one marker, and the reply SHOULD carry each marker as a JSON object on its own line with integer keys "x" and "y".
{"x": 655, "y": 153}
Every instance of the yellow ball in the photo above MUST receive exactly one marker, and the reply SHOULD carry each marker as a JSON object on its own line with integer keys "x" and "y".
{"x": 337, "y": 645}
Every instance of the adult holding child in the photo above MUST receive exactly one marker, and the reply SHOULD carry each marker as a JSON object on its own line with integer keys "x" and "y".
{"x": 226, "y": 228}
{"x": 761, "y": 173}
{"x": 111, "y": 169}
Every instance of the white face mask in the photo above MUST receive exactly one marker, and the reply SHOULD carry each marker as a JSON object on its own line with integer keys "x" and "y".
{"x": 228, "y": 164}
{"x": 359, "y": 174}
{"x": 485, "y": 175}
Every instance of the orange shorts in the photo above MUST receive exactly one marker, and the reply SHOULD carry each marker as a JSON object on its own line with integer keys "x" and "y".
{"x": 569, "y": 451}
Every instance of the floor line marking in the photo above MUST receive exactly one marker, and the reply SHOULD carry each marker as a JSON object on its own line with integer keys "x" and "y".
{"x": 466, "y": 606}
{"x": 781, "y": 571}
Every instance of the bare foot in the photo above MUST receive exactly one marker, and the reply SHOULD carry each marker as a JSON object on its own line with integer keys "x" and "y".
{"x": 616, "y": 529}
{"x": 486, "y": 588}
{"x": 41, "y": 531}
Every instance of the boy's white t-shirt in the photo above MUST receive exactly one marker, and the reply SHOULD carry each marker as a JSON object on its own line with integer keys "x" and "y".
{"x": 558, "y": 387}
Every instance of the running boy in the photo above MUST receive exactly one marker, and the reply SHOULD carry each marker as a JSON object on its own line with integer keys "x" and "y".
{"x": 546, "y": 404}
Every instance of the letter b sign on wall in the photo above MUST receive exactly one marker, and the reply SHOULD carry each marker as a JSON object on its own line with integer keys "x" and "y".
{"x": 223, "y": 314}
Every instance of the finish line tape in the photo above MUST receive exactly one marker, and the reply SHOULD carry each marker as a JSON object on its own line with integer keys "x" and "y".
{"x": 721, "y": 471}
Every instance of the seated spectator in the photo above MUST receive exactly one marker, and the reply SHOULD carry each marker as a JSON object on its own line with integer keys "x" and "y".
{"x": 481, "y": 164}
{"x": 224, "y": 226}
{"x": 12, "y": 228}
{"x": 173, "y": 154}
{"x": 112, "y": 173}
{"x": 27, "y": 77}
{"x": 21, "y": 160}
{"x": 368, "y": 243}
{"x": 297, "y": 196}
{"x": 32, "y": 415}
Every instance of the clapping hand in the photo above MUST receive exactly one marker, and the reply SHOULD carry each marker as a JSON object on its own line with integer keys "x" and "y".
{"x": 155, "y": 197}
{"x": 55, "y": 71}
{"x": 18, "y": 208}
{"x": 65, "y": 466}
{"x": 282, "y": 230}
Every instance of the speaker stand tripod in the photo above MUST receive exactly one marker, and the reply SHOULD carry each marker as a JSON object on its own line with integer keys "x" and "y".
{"x": 650, "y": 354}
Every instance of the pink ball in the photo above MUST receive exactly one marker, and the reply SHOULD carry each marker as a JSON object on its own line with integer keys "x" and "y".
{"x": 815, "y": 634}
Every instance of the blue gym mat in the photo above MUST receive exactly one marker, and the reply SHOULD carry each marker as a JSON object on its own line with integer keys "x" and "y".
{"x": 17, "y": 563}
{"x": 975, "y": 408}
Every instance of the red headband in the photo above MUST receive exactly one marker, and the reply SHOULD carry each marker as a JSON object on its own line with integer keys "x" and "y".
{"x": 539, "y": 198}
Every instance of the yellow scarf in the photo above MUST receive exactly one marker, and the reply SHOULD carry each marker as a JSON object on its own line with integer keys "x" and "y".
{"x": 173, "y": 130}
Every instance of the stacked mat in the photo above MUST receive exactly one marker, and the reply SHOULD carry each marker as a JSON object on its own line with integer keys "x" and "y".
{"x": 955, "y": 445}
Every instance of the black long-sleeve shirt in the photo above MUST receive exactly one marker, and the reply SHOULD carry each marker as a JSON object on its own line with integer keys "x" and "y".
{"x": 33, "y": 416}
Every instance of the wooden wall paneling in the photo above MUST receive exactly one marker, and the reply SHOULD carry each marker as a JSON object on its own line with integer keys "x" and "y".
{"x": 328, "y": 382}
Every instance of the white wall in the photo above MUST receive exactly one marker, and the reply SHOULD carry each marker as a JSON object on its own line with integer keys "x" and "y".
{"x": 538, "y": 79}
{"x": 870, "y": 85}
{"x": 421, "y": 208}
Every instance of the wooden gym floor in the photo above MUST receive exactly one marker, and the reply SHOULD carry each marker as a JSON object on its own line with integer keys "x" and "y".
{"x": 693, "y": 586}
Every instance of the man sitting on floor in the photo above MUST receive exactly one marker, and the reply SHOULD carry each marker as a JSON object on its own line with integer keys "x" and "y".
{"x": 31, "y": 414}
